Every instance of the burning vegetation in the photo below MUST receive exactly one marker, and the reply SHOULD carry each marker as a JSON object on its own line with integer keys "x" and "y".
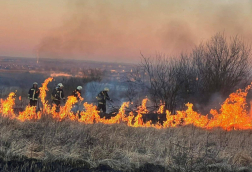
{"x": 180, "y": 140}
{"x": 233, "y": 115}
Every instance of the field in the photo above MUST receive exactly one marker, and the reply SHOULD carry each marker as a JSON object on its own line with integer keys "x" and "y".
{"x": 48, "y": 145}
{"x": 131, "y": 140}
{"x": 50, "y": 141}
{"x": 172, "y": 81}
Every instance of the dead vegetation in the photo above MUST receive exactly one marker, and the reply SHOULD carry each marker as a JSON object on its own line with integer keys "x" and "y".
{"x": 123, "y": 148}
{"x": 212, "y": 70}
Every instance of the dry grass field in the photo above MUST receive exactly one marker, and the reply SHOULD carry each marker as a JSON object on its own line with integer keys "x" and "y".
{"x": 49, "y": 145}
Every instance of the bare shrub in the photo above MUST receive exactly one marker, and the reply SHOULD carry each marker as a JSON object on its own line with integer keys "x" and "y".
{"x": 221, "y": 65}
{"x": 166, "y": 79}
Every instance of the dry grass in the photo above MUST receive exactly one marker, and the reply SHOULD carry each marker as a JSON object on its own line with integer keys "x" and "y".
{"x": 125, "y": 148}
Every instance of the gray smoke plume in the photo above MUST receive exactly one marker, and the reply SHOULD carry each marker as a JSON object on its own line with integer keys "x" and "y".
{"x": 116, "y": 30}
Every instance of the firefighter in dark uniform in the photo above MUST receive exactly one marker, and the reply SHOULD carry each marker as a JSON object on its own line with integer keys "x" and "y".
{"x": 33, "y": 94}
{"x": 57, "y": 96}
{"x": 77, "y": 93}
{"x": 102, "y": 97}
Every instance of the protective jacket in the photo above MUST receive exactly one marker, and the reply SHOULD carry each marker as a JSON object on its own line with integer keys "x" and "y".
{"x": 33, "y": 93}
{"x": 57, "y": 94}
{"x": 76, "y": 93}
{"x": 102, "y": 97}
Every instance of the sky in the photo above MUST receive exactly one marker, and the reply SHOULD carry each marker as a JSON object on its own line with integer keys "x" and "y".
{"x": 117, "y": 30}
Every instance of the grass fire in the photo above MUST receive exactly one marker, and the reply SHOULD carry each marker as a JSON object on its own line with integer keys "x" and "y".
{"x": 158, "y": 120}
{"x": 233, "y": 115}
{"x": 64, "y": 140}
{"x": 125, "y": 86}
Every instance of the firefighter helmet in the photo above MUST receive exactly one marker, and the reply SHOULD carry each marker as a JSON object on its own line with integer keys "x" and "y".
{"x": 60, "y": 85}
{"x": 35, "y": 83}
{"x": 106, "y": 89}
{"x": 79, "y": 88}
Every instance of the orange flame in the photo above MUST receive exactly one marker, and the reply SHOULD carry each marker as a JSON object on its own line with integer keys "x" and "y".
{"x": 90, "y": 115}
{"x": 233, "y": 114}
{"x": 161, "y": 108}
{"x": 7, "y": 106}
{"x": 142, "y": 109}
{"x": 29, "y": 114}
{"x": 43, "y": 89}
{"x": 65, "y": 111}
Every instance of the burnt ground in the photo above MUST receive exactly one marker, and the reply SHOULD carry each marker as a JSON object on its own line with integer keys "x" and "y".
{"x": 23, "y": 164}
{"x": 34, "y": 165}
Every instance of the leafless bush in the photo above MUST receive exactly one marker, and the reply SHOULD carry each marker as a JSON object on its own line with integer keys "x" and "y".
{"x": 218, "y": 67}
{"x": 166, "y": 79}
{"x": 221, "y": 65}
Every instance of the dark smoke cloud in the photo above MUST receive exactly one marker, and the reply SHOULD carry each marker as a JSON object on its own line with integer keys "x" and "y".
{"x": 117, "y": 30}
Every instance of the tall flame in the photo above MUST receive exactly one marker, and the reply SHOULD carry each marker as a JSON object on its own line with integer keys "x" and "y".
{"x": 233, "y": 114}
{"x": 65, "y": 111}
{"x": 161, "y": 108}
{"x": 7, "y": 106}
{"x": 43, "y": 89}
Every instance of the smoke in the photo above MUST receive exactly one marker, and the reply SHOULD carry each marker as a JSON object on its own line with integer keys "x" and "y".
{"x": 117, "y": 30}
{"x": 117, "y": 89}
{"x": 92, "y": 89}
{"x": 214, "y": 102}
{"x": 119, "y": 93}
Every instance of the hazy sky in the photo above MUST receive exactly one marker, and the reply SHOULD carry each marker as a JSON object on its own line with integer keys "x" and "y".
{"x": 116, "y": 30}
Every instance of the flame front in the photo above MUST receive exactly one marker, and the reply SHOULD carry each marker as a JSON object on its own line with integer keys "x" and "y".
{"x": 65, "y": 111}
{"x": 43, "y": 89}
{"x": 233, "y": 114}
{"x": 28, "y": 114}
{"x": 7, "y": 106}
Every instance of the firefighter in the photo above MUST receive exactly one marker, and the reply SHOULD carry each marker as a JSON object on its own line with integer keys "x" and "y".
{"x": 57, "y": 96}
{"x": 33, "y": 94}
{"x": 102, "y": 97}
{"x": 77, "y": 93}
